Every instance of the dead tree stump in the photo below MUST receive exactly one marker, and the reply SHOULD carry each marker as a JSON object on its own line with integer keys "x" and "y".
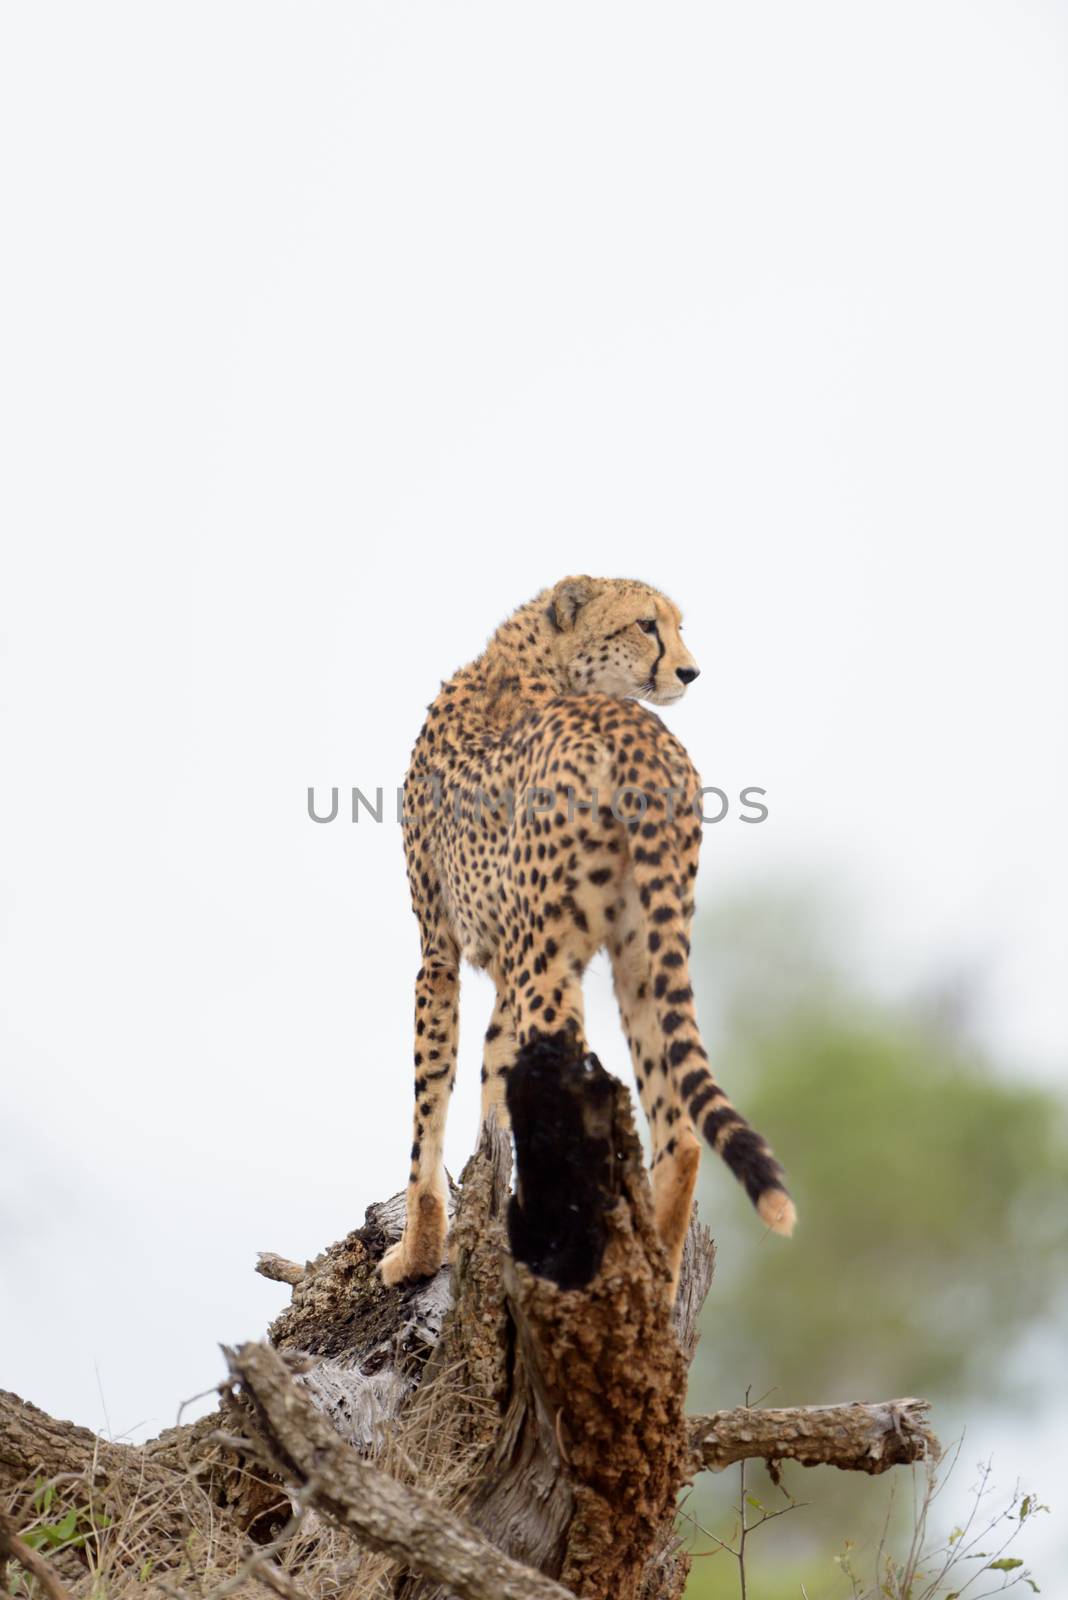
{"x": 513, "y": 1427}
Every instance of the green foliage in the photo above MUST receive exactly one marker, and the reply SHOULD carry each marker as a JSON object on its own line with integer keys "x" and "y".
{"x": 933, "y": 1200}
{"x": 71, "y": 1529}
{"x": 932, "y": 1189}
{"x": 905, "y": 1561}
{"x": 54, "y": 1529}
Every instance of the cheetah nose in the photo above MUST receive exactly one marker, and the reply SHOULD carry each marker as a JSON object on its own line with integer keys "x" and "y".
{"x": 687, "y": 674}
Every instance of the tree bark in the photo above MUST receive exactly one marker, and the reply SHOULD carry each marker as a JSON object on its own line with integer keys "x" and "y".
{"x": 857, "y": 1438}
{"x": 514, "y": 1426}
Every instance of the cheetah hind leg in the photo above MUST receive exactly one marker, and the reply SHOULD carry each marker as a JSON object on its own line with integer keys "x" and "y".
{"x": 676, "y": 1147}
{"x": 674, "y": 1178}
{"x": 420, "y": 1250}
{"x": 498, "y": 1057}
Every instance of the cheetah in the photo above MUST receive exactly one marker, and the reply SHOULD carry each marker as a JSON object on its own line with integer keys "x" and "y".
{"x": 547, "y": 815}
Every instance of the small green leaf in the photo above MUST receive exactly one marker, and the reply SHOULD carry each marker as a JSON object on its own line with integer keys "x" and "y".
{"x": 1006, "y": 1564}
{"x": 1025, "y": 1506}
{"x": 43, "y": 1495}
{"x": 59, "y": 1532}
{"x": 751, "y": 1500}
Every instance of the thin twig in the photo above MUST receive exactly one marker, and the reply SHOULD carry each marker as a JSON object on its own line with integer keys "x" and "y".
{"x": 741, "y": 1512}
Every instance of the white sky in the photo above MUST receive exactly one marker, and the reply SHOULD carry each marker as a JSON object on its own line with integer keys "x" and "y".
{"x": 332, "y": 333}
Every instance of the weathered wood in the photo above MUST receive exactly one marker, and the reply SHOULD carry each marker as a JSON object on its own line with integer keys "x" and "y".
{"x": 856, "y": 1438}
{"x": 590, "y": 1303}
{"x": 405, "y": 1523}
{"x": 524, "y": 1495}
{"x": 31, "y": 1440}
{"x": 279, "y": 1269}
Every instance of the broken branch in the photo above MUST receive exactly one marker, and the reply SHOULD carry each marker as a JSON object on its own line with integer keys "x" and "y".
{"x": 268, "y": 1265}
{"x": 858, "y": 1438}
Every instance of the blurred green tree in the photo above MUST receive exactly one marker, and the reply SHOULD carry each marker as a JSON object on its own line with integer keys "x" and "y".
{"x": 931, "y": 1186}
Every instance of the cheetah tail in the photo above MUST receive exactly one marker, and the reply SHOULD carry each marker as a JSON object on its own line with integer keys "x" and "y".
{"x": 746, "y": 1152}
{"x": 657, "y": 868}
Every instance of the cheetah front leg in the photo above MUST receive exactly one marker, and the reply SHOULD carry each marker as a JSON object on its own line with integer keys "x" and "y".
{"x": 420, "y": 1250}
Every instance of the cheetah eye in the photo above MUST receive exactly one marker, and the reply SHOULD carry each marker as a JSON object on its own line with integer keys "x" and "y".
{"x": 646, "y": 627}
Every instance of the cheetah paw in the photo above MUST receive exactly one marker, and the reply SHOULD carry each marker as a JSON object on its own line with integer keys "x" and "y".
{"x": 393, "y": 1268}
{"x": 404, "y": 1264}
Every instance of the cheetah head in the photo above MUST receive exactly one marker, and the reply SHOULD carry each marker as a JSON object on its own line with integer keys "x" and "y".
{"x": 620, "y": 637}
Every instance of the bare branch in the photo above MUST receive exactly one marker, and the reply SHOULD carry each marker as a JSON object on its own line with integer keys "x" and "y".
{"x": 857, "y": 1438}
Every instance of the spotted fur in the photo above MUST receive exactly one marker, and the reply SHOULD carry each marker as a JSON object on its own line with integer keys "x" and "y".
{"x": 519, "y": 864}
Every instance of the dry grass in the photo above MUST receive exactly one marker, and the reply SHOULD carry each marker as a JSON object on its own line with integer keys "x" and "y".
{"x": 160, "y": 1534}
{"x": 438, "y": 1444}
{"x": 175, "y": 1542}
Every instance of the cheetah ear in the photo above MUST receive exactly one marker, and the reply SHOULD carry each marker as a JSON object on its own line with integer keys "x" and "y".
{"x": 567, "y": 598}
